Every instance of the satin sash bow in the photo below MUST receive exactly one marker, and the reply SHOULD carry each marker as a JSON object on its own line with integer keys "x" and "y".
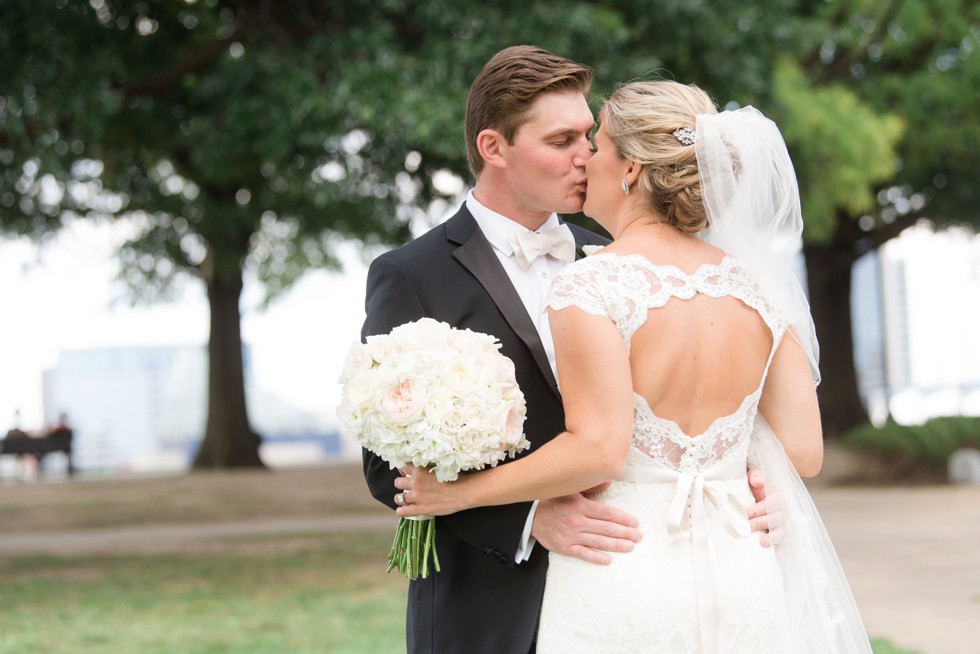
{"x": 700, "y": 500}
{"x": 528, "y": 246}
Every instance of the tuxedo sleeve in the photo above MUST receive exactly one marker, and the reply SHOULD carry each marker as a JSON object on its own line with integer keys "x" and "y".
{"x": 391, "y": 299}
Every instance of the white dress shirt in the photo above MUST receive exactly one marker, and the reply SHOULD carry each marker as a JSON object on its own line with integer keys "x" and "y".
{"x": 532, "y": 286}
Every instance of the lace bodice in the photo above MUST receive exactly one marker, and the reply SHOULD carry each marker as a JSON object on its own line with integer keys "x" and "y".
{"x": 624, "y": 289}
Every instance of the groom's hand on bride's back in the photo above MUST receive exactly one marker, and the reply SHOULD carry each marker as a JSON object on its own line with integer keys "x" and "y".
{"x": 765, "y": 515}
{"x": 576, "y": 526}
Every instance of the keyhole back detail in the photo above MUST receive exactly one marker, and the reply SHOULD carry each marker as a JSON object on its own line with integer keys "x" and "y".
{"x": 700, "y": 346}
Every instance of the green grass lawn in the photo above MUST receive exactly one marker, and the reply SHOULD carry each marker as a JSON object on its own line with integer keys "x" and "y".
{"x": 322, "y": 594}
{"x": 325, "y": 593}
{"x": 295, "y": 595}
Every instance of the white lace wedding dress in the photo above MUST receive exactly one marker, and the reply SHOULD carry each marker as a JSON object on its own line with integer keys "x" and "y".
{"x": 699, "y": 581}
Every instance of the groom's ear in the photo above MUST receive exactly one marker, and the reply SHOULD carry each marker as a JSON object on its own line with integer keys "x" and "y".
{"x": 491, "y": 145}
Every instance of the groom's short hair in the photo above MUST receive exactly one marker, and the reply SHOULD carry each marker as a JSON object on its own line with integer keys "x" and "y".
{"x": 501, "y": 96}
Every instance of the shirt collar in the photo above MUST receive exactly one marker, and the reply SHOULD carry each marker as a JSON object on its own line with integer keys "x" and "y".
{"x": 497, "y": 227}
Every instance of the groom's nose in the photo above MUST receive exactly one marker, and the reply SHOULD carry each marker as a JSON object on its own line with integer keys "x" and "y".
{"x": 583, "y": 152}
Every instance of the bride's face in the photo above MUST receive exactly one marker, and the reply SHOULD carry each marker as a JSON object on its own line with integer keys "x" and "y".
{"x": 604, "y": 173}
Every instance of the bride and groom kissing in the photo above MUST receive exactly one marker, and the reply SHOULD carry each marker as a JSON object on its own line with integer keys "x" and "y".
{"x": 658, "y": 372}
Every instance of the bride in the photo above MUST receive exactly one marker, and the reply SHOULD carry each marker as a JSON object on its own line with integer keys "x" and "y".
{"x": 686, "y": 353}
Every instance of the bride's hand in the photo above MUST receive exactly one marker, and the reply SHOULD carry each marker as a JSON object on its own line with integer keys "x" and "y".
{"x": 423, "y": 495}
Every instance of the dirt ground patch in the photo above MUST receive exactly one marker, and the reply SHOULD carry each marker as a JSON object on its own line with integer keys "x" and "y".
{"x": 200, "y": 497}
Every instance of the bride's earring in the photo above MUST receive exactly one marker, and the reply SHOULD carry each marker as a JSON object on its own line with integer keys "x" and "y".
{"x": 626, "y": 186}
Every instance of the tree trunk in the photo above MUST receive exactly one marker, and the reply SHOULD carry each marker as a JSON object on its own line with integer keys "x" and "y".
{"x": 828, "y": 269}
{"x": 229, "y": 441}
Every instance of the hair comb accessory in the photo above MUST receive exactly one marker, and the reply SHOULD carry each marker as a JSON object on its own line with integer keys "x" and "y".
{"x": 686, "y": 136}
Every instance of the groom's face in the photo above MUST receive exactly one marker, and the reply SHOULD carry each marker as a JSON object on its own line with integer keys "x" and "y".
{"x": 546, "y": 163}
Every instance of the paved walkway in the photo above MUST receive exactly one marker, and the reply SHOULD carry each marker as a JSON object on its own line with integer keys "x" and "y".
{"x": 912, "y": 555}
{"x": 171, "y": 537}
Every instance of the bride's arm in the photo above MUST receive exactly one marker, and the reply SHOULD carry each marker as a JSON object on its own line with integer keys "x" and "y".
{"x": 789, "y": 405}
{"x": 597, "y": 393}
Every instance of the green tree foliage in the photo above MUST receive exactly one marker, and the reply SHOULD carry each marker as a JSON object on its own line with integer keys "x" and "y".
{"x": 905, "y": 77}
{"x": 254, "y": 135}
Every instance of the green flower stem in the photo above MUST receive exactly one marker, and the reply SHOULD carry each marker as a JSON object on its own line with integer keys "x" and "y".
{"x": 414, "y": 540}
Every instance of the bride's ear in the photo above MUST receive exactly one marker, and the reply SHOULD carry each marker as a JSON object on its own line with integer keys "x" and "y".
{"x": 633, "y": 172}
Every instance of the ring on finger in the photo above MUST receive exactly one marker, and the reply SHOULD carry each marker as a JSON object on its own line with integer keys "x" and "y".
{"x": 400, "y": 499}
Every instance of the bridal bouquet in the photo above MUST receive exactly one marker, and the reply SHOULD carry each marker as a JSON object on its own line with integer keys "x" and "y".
{"x": 436, "y": 397}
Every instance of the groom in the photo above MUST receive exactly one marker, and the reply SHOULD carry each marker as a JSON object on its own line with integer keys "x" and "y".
{"x": 527, "y": 140}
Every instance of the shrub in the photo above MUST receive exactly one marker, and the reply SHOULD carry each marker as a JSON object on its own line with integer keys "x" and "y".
{"x": 913, "y": 452}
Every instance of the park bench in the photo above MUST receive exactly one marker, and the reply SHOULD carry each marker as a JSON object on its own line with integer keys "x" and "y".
{"x": 22, "y": 444}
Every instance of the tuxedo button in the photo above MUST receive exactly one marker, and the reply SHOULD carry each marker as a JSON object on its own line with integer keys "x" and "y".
{"x": 497, "y": 555}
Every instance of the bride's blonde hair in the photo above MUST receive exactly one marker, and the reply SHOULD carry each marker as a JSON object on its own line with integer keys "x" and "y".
{"x": 640, "y": 118}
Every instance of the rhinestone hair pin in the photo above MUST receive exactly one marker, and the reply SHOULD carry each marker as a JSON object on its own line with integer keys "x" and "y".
{"x": 686, "y": 136}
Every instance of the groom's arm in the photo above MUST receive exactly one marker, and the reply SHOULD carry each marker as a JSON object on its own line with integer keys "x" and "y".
{"x": 391, "y": 300}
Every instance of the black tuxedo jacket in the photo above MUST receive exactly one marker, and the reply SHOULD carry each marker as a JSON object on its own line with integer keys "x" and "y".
{"x": 480, "y": 601}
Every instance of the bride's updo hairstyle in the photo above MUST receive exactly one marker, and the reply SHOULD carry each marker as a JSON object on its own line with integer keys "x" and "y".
{"x": 640, "y": 118}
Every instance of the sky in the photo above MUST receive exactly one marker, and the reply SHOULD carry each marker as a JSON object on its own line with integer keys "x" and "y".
{"x": 65, "y": 298}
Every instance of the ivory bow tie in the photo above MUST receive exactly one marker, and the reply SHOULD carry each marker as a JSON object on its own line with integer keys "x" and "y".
{"x": 528, "y": 246}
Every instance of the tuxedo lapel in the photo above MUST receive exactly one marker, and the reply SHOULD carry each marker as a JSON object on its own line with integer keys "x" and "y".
{"x": 582, "y": 239}
{"x": 476, "y": 254}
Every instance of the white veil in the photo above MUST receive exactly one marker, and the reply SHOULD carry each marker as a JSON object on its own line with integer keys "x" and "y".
{"x": 753, "y": 204}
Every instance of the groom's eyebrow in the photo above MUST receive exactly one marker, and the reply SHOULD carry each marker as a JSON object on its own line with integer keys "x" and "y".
{"x": 569, "y": 131}
{"x": 561, "y": 131}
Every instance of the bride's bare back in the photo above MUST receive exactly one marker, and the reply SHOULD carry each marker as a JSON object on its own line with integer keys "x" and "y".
{"x": 700, "y": 340}
{"x": 695, "y": 360}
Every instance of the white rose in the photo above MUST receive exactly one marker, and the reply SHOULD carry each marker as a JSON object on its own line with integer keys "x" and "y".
{"x": 422, "y": 335}
{"x": 453, "y": 421}
{"x": 438, "y": 404}
{"x": 397, "y": 364}
{"x": 404, "y": 401}
{"x": 508, "y": 421}
{"x": 358, "y": 360}
{"x": 361, "y": 391}
{"x": 474, "y": 410}
{"x": 504, "y": 370}
{"x": 379, "y": 346}
{"x": 475, "y": 344}
{"x": 460, "y": 374}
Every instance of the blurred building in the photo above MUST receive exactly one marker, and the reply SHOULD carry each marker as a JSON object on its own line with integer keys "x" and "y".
{"x": 145, "y": 408}
{"x": 915, "y": 305}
